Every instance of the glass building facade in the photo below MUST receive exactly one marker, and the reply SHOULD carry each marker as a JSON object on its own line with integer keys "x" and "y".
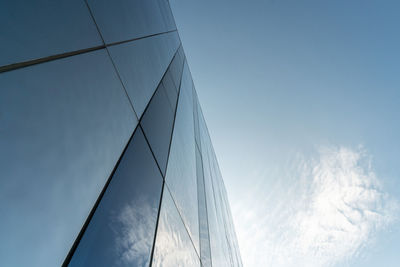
{"x": 105, "y": 156}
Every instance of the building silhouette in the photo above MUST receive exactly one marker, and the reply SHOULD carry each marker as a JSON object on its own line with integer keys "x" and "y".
{"x": 105, "y": 156}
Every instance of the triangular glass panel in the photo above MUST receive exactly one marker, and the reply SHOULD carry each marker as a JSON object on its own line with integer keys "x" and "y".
{"x": 141, "y": 65}
{"x": 173, "y": 246}
{"x": 157, "y": 125}
{"x": 157, "y": 121}
{"x": 181, "y": 170}
{"x": 176, "y": 67}
{"x": 62, "y": 132}
{"x": 172, "y": 79}
{"x": 172, "y": 92}
{"x": 121, "y": 231}
{"x": 121, "y": 20}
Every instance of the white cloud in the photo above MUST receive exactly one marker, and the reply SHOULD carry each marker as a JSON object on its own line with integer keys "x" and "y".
{"x": 133, "y": 229}
{"x": 321, "y": 212}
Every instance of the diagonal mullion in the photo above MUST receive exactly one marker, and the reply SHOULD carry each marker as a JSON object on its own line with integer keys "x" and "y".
{"x": 24, "y": 64}
{"x": 96, "y": 204}
{"x": 93, "y": 210}
{"x": 169, "y": 150}
{"x": 166, "y": 185}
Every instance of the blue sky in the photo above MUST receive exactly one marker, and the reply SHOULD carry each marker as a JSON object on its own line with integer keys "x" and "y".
{"x": 302, "y": 100}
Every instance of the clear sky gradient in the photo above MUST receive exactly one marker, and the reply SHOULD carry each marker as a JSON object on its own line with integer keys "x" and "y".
{"x": 302, "y": 100}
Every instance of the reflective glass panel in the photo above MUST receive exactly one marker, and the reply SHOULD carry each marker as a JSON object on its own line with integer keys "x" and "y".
{"x": 220, "y": 211}
{"x": 226, "y": 216}
{"x": 141, "y": 65}
{"x": 63, "y": 127}
{"x": 231, "y": 235}
{"x": 121, "y": 231}
{"x": 181, "y": 170}
{"x": 196, "y": 107}
{"x": 172, "y": 92}
{"x": 205, "y": 253}
{"x": 172, "y": 79}
{"x": 173, "y": 246}
{"x": 217, "y": 235}
{"x": 121, "y": 20}
{"x": 157, "y": 124}
{"x": 176, "y": 67}
{"x": 35, "y": 29}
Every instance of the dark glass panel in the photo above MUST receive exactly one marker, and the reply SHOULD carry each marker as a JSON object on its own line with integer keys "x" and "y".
{"x": 205, "y": 253}
{"x": 121, "y": 20}
{"x": 35, "y": 29}
{"x": 64, "y": 125}
{"x": 172, "y": 92}
{"x": 172, "y": 79}
{"x": 173, "y": 246}
{"x": 181, "y": 170}
{"x": 141, "y": 65}
{"x": 157, "y": 123}
{"x": 187, "y": 85}
{"x": 121, "y": 231}
{"x": 176, "y": 67}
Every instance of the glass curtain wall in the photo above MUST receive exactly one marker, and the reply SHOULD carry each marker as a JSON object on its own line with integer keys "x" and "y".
{"x": 105, "y": 155}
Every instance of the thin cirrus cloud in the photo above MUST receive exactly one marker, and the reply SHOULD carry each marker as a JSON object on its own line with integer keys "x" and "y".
{"x": 321, "y": 212}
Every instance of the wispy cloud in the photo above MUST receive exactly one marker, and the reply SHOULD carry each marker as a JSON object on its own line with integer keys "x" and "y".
{"x": 322, "y": 211}
{"x": 133, "y": 229}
